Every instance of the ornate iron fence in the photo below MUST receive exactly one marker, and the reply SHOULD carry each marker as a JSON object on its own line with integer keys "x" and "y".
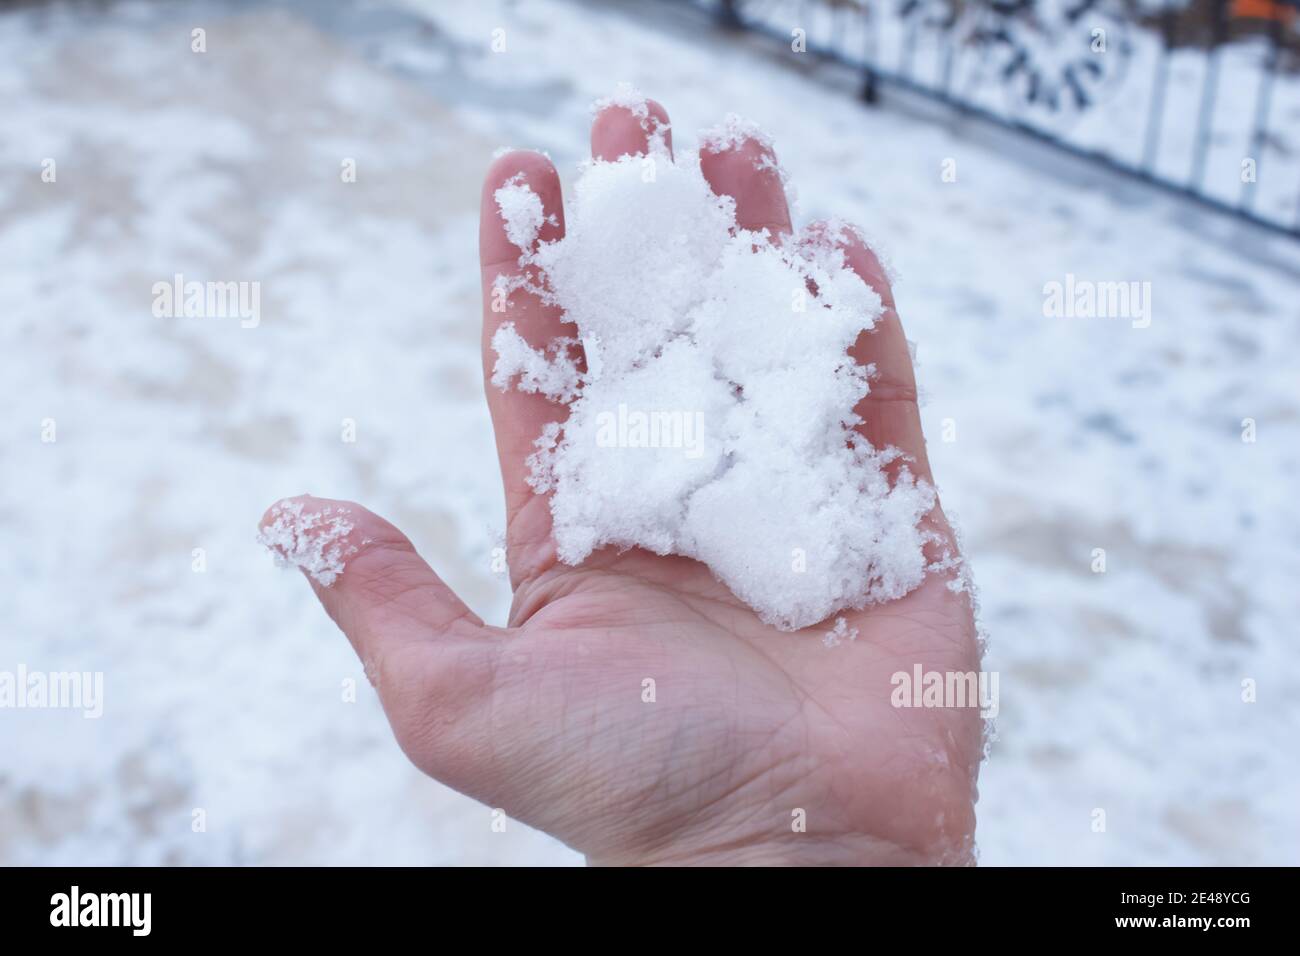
{"x": 1198, "y": 97}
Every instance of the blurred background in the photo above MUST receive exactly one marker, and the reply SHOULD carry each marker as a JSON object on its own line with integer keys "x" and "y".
{"x": 332, "y": 154}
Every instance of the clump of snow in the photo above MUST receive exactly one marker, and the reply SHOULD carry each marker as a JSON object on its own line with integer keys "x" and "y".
{"x": 732, "y": 133}
{"x": 839, "y": 633}
{"x": 721, "y": 424}
{"x": 314, "y": 541}
{"x": 521, "y": 208}
{"x": 532, "y": 370}
{"x": 627, "y": 96}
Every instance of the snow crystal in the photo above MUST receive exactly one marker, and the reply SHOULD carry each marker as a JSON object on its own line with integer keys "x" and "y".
{"x": 311, "y": 540}
{"x": 841, "y": 632}
{"x": 720, "y": 426}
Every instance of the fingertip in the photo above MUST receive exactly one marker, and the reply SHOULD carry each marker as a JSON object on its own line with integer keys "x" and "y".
{"x": 536, "y": 168}
{"x": 617, "y": 131}
{"x": 528, "y": 168}
{"x": 863, "y": 259}
{"x": 745, "y": 167}
{"x": 365, "y": 571}
{"x": 322, "y": 536}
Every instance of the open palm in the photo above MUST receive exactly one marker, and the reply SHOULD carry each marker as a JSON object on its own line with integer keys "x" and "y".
{"x": 635, "y": 708}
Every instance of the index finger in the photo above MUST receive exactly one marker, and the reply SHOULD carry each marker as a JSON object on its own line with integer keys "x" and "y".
{"x": 518, "y": 418}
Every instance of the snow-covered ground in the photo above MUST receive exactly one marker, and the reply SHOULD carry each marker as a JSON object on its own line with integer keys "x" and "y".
{"x": 225, "y": 689}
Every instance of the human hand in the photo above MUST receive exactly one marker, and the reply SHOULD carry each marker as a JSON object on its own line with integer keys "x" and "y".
{"x": 750, "y": 729}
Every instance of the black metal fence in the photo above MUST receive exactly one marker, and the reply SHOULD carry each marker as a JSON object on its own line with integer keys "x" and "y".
{"x": 1199, "y": 97}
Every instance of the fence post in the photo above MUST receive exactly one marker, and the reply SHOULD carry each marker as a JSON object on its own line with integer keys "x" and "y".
{"x": 1156, "y": 108}
{"x": 1209, "y": 90}
{"x": 870, "y": 90}
{"x": 1263, "y": 101}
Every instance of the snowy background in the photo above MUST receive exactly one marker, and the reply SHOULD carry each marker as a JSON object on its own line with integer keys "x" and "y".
{"x": 223, "y": 689}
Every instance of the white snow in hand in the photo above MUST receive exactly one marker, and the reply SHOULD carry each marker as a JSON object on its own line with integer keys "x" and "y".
{"x": 314, "y": 541}
{"x": 721, "y": 424}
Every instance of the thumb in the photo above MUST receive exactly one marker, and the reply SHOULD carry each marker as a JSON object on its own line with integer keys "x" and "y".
{"x": 430, "y": 658}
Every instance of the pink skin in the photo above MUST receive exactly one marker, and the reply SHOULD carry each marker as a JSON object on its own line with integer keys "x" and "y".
{"x": 545, "y": 719}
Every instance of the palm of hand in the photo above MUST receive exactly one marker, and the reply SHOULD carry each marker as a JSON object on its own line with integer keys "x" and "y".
{"x": 634, "y": 707}
{"x": 740, "y": 715}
